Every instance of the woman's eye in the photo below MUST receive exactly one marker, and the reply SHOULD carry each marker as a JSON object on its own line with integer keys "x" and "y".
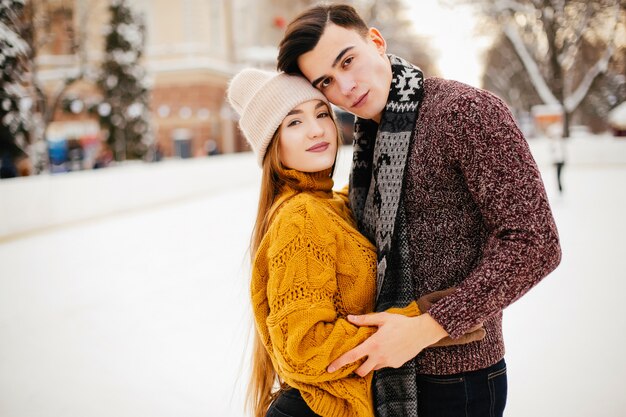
{"x": 293, "y": 123}
{"x": 323, "y": 114}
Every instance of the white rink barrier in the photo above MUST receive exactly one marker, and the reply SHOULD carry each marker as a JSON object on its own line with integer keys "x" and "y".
{"x": 32, "y": 204}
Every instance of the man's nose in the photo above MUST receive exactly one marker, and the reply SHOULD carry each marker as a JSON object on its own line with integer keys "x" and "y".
{"x": 346, "y": 84}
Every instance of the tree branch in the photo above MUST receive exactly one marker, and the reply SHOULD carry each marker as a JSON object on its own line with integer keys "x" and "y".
{"x": 531, "y": 66}
{"x": 513, "y": 6}
{"x": 569, "y": 47}
{"x": 572, "y": 101}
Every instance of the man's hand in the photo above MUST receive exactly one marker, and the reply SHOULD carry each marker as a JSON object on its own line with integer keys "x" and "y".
{"x": 397, "y": 340}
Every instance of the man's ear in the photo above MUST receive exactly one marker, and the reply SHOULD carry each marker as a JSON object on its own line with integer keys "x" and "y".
{"x": 376, "y": 37}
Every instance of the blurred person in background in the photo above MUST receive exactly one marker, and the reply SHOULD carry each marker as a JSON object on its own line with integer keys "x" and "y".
{"x": 14, "y": 162}
{"x": 104, "y": 158}
{"x": 311, "y": 267}
{"x": 557, "y": 152}
{"x": 444, "y": 184}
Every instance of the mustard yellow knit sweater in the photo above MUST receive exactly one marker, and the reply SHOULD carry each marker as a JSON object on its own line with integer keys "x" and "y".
{"x": 311, "y": 270}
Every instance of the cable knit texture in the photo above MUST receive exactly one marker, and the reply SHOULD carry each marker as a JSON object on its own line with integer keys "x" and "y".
{"x": 479, "y": 219}
{"x": 312, "y": 269}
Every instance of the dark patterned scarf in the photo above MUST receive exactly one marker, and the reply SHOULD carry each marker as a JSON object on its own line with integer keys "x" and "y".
{"x": 377, "y": 199}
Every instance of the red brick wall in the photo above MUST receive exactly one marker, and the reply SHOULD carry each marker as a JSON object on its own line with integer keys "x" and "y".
{"x": 198, "y": 96}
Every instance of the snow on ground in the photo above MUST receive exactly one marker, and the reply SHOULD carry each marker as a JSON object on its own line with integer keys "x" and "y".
{"x": 144, "y": 313}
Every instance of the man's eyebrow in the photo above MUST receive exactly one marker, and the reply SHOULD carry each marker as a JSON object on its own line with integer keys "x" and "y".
{"x": 316, "y": 81}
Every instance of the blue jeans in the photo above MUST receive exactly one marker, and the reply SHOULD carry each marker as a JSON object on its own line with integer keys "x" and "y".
{"x": 290, "y": 404}
{"x": 479, "y": 393}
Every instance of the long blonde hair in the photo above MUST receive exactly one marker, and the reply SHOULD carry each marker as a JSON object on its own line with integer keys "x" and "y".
{"x": 263, "y": 377}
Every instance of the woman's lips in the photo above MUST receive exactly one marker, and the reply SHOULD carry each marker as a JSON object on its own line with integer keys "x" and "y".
{"x": 320, "y": 147}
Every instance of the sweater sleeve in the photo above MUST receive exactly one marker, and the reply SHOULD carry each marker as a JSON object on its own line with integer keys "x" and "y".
{"x": 522, "y": 245}
{"x": 305, "y": 328}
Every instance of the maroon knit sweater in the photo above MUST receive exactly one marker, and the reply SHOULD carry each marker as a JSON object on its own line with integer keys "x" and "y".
{"x": 479, "y": 219}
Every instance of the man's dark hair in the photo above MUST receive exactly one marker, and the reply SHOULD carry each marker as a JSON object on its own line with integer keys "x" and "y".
{"x": 305, "y": 31}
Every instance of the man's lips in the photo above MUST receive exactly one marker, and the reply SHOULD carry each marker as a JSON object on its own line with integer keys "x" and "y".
{"x": 360, "y": 100}
{"x": 319, "y": 147}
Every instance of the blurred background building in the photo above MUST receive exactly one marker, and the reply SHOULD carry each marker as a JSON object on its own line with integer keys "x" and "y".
{"x": 185, "y": 52}
{"x": 89, "y": 82}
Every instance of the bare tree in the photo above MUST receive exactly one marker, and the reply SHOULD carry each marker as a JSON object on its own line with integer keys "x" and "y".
{"x": 608, "y": 89}
{"x": 14, "y": 67}
{"x": 506, "y": 76}
{"x": 51, "y": 23}
{"x": 548, "y": 37}
{"x": 14, "y": 102}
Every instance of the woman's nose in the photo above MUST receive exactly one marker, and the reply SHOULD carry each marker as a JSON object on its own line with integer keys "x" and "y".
{"x": 316, "y": 129}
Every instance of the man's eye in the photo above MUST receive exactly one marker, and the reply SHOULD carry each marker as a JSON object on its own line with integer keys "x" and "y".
{"x": 325, "y": 83}
{"x": 347, "y": 61}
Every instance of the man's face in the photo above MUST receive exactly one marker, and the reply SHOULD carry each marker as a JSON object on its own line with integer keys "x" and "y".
{"x": 353, "y": 73}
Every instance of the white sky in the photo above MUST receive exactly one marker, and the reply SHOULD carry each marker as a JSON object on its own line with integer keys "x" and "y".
{"x": 453, "y": 38}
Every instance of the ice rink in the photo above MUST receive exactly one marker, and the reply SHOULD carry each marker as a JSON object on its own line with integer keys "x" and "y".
{"x": 143, "y": 313}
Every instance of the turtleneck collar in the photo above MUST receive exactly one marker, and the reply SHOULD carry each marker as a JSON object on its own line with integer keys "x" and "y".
{"x": 310, "y": 181}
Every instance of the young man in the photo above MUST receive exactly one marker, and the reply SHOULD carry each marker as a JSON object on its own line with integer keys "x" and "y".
{"x": 444, "y": 184}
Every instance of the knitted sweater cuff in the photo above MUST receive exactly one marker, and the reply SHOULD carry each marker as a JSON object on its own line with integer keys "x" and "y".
{"x": 410, "y": 310}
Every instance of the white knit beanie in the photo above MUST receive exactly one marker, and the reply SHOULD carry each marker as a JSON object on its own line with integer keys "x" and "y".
{"x": 263, "y": 99}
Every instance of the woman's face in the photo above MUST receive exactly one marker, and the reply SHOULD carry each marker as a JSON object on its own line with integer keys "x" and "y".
{"x": 308, "y": 138}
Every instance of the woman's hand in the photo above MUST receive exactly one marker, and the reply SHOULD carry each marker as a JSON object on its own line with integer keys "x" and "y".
{"x": 397, "y": 340}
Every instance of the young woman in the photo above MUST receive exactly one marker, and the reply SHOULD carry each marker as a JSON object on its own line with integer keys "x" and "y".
{"x": 311, "y": 267}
